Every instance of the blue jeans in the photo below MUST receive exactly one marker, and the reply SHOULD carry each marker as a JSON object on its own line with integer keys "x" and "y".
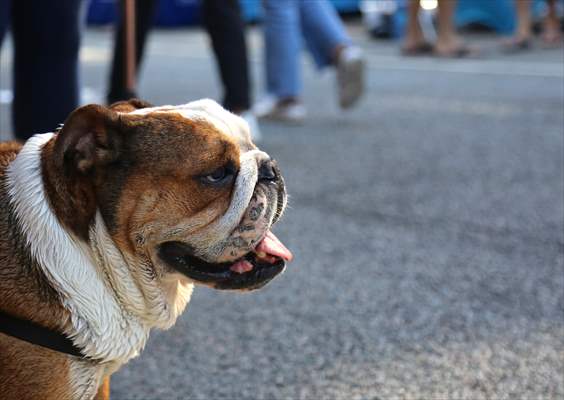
{"x": 285, "y": 23}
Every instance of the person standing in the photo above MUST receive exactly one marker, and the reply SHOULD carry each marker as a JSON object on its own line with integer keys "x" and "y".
{"x": 46, "y": 37}
{"x": 286, "y": 23}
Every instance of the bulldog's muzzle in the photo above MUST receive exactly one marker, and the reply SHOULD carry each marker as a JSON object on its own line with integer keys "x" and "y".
{"x": 221, "y": 275}
{"x": 260, "y": 259}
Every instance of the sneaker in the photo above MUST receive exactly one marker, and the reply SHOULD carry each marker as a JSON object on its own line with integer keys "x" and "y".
{"x": 270, "y": 108}
{"x": 350, "y": 76}
{"x": 249, "y": 116}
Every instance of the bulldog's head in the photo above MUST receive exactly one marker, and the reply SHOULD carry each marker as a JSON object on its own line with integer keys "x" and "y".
{"x": 180, "y": 189}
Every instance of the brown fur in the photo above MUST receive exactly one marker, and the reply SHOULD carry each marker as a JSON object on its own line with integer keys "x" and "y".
{"x": 31, "y": 372}
{"x": 156, "y": 194}
{"x": 104, "y": 391}
{"x": 26, "y": 371}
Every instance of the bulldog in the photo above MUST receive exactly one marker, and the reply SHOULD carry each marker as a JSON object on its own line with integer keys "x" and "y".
{"x": 108, "y": 223}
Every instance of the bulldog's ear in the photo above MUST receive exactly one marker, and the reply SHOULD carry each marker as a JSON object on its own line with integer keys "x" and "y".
{"x": 130, "y": 105}
{"x": 90, "y": 137}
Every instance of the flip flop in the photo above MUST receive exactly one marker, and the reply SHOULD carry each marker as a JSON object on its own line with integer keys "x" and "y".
{"x": 551, "y": 40}
{"x": 461, "y": 51}
{"x": 516, "y": 45}
{"x": 421, "y": 49}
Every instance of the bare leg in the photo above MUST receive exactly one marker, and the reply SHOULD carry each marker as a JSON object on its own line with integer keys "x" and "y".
{"x": 521, "y": 39}
{"x": 414, "y": 37}
{"x": 551, "y": 26}
{"x": 448, "y": 41}
{"x": 523, "y": 32}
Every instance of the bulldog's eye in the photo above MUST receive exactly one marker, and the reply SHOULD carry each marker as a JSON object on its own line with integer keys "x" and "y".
{"x": 217, "y": 175}
{"x": 220, "y": 176}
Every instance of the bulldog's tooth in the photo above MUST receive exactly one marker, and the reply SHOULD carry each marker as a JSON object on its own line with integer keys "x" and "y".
{"x": 261, "y": 254}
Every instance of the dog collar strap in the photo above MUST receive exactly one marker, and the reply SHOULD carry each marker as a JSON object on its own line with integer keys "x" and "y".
{"x": 35, "y": 334}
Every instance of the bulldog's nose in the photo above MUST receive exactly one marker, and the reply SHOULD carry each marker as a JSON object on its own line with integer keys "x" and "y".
{"x": 267, "y": 171}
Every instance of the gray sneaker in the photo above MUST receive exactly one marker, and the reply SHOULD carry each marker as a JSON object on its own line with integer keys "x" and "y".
{"x": 350, "y": 76}
{"x": 270, "y": 108}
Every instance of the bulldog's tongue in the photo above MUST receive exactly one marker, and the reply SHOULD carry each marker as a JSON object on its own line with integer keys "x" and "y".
{"x": 272, "y": 246}
{"x": 241, "y": 266}
{"x": 267, "y": 250}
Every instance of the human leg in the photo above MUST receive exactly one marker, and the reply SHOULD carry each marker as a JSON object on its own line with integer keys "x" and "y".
{"x": 4, "y": 18}
{"x": 282, "y": 46}
{"x": 447, "y": 38}
{"x": 224, "y": 23}
{"x": 329, "y": 44}
{"x": 448, "y": 42}
{"x": 521, "y": 39}
{"x": 144, "y": 14}
{"x": 414, "y": 42}
{"x": 524, "y": 23}
{"x": 45, "y": 64}
{"x": 552, "y": 36}
{"x": 226, "y": 28}
{"x": 323, "y": 31}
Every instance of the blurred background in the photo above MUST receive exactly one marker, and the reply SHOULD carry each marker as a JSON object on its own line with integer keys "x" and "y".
{"x": 426, "y": 219}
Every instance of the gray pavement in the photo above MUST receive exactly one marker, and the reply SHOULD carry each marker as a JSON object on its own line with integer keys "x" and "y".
{"x": 427, "y": 226}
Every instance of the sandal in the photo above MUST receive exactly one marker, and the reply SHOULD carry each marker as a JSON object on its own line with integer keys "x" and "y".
{"x": 420, "y": 49}
{"x": 461, "y": 51}
{"x": 516, "y": 45}
{"x": 551, "y": 40}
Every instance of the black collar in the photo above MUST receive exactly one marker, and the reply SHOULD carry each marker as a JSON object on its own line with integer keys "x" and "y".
{"x": 35, "y": 334}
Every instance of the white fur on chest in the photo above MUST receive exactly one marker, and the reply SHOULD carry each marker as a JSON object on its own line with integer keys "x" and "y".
{"x": 98, "y": 324}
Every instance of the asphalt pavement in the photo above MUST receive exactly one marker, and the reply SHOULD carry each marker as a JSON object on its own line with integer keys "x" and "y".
{"x": 427, "y": 226}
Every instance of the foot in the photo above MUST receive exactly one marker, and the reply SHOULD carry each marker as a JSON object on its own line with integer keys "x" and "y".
{"x": 552, "y": 38}
{"x": 289, "y": 110}
{"x": 414, "y": 40}
{"x": 517, "y": 44}
{"x": 455, "y": 49}
{"x": 350, "y": 76}
{"x": 450, "y": 45}
{"x": 417, "y": 49}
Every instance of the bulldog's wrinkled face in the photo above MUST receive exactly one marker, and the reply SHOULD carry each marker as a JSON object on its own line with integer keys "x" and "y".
{"x": 185, "y": 191}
